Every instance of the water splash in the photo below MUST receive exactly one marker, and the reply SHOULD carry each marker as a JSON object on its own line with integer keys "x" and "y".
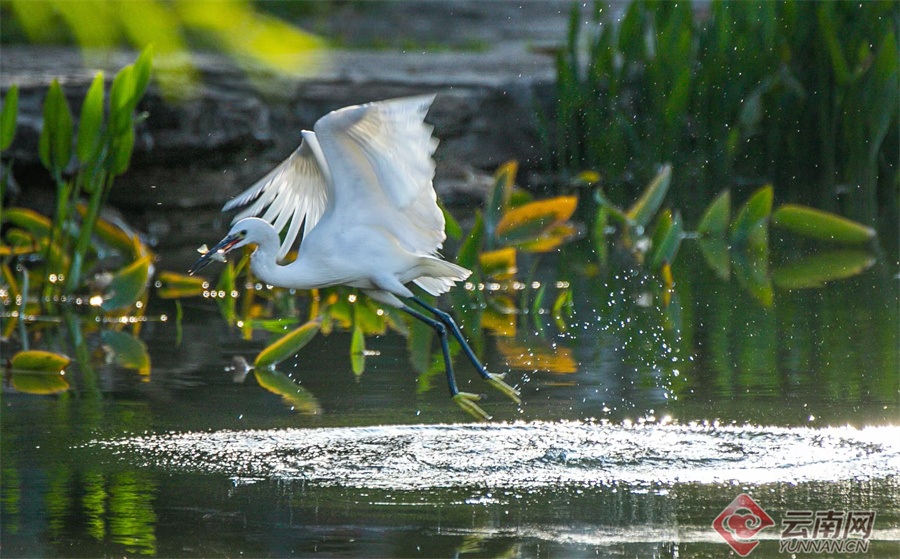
{"x": 526, "y": 455}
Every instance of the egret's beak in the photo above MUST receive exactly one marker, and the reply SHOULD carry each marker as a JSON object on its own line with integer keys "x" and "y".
{"x": 222, "y": 249}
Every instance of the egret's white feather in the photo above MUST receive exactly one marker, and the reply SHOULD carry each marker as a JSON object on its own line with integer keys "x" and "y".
{"x": 296, "y": 191}
{"x": 371, "y": 164}
{"x": 380, "y": 159}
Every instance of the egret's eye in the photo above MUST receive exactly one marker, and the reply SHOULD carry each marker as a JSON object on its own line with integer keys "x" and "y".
{"x": 243, "y": 233}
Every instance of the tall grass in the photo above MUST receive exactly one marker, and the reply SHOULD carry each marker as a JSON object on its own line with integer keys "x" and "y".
{"x": 803, "y": 94}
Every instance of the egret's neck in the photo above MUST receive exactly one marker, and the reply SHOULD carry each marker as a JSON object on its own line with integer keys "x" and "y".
{"x": 295, "y": 275}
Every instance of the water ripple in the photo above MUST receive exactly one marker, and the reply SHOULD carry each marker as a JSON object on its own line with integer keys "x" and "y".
{"x": 526, "y": 455}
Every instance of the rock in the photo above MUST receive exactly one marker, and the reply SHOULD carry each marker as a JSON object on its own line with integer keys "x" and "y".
{"x": 191, "y": 157}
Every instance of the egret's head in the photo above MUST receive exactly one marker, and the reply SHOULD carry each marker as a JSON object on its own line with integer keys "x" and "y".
{"x": 244, "y": 232}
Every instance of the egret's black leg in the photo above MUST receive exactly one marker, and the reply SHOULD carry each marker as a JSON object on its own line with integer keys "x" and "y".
{"x": 454, "y": 330}
{"x": 445, "y": 347}
{"x": 465, "y": 400}
{"x": 495, "y": 380}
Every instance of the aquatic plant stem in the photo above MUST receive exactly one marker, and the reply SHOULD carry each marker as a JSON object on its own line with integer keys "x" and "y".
{"x": 87, "y": 229}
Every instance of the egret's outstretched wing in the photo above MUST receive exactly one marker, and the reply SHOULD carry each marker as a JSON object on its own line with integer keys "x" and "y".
{"x": 379, "y": 156}
{"x": 296, "y": 191}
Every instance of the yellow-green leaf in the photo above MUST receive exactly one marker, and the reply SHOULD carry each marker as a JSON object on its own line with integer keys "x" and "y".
{"x": 300, "y": 399}
{"x": 366, "y": 317}
{"x": 128, "y": 285}
{"x": 114, "y": 236}
{"x": 504, "y": 179}
{"x": 341, "y": 311}
{"x": 37, "y": 361}
{"x": 529, "y": 221}
{"x": 288, "y": 345}
{"x": 818, "y": 224}
{"x": 645, "y": 208}
{"x": 31, "y": 221}
{"x": 756, "y": 210}
{"x": 499, "y": 264}
{"x": 127, "y": 351}
{"x": 550, "y": 239}
{"x": 716, "y": 217}
{"x": 589, "y": 177}
{"x": 817, "y": 269}
{"x": 358, "y": 351}
{"x": 40, "y": 383}
{"x": 174, "y": 285}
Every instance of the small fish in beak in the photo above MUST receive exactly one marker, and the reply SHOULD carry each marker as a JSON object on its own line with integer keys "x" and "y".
{"x": 217, "y": 252}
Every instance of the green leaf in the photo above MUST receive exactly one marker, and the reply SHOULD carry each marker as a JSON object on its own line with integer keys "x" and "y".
{"x": 90, "y": 122}
{"x": 828, "y": 29}
{"x": 751, "y": 268}
{"x": 882, "y": 93}
{"x": 504, "y": 179}
{"x": 678, "y": 98}
{"x": 143, "y": 66}
{"x": 122, "y": 148}
{"x": 358, "y": 351}
{"x": 601, "y": 245}
{"x": 645, "y": 208}
{"x": 562, "y": 308}
{"x": 288, "y": 345}
{"x": 818, "y": 224}
{"x": 454, "y": 231}
{"x": 716, "y": 217}
{"x": 468, "y": 252}
{"x": 612, "y": 210}
{"x": 755, "y": 211}
{"x": 55, "y": 143}
{"x": 299, "y": 398}
{"x": 716, "y": 253}
{"x": 528, "y": 222}
{"x": 8, "y": 117}
{"x": 120, "y": 96}
{"x": 128, "y": 351}
{"x": 128, "y": 285}
{"x": 226, "y": 283}
{"x": 666, "y": 239}
{"x": 818, "y": 269}
{"x": 274, "y": 325}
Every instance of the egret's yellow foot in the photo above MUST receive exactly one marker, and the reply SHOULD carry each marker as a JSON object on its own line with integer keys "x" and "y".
{"x": 497, "y": 382}
{"x": 466, "y": 401}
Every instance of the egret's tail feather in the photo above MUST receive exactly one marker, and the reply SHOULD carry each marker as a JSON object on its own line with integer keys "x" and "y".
{"x": 440, "y": 276}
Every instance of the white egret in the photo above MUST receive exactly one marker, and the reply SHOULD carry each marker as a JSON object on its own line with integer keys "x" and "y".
{"x": 361, "y": 186}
